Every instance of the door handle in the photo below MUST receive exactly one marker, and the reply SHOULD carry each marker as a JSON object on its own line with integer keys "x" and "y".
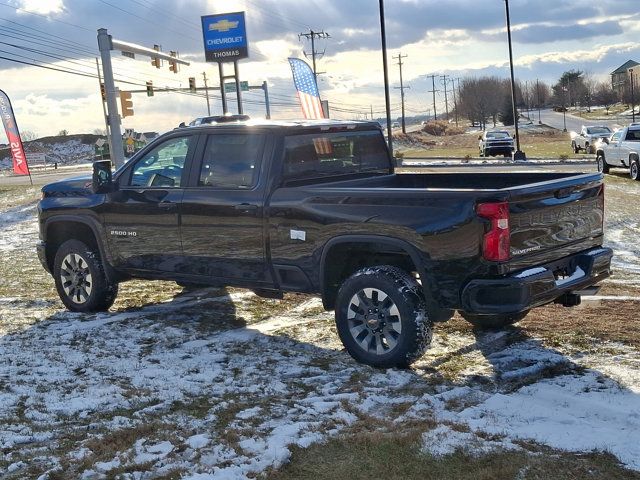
{"x": 168, "y": 205}
{"x": 245, "y": 207}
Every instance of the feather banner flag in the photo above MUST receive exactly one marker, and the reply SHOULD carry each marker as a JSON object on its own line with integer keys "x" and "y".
{"x": 20, "y": 166}
{"x": 305, "y": 82}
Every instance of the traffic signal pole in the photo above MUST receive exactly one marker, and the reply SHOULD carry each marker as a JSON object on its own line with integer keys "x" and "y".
{"x": 105, "y": 44}
{"x": 113, "y": 119}
{"x": 104, "y": 109}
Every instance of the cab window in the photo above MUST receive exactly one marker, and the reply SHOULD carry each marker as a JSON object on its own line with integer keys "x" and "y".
{"x": 162, "y": 167}
{"x": 616, "y": 136}
{"x": 231, "y": 161}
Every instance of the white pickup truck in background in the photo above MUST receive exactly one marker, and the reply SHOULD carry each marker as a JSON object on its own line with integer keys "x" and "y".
{"x": 588, "y": 137}
{"x": 621, "y": 150}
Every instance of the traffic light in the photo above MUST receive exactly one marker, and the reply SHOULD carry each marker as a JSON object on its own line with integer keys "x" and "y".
{"x": 126, "y": 104}
{"x": 173, "y": 65}
{"x": 156, "y": 61}
{"x": 192, "y": 84}
{"x": 149, "y": 89}
{"x": 103, "y": 92}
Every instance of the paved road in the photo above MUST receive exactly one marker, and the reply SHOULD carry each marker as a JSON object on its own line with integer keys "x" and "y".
{"x": 44, "y": 177}
{"x": 555, "y": 120}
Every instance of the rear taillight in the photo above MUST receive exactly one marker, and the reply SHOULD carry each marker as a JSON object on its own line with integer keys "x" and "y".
{"x": 496, "y": 243}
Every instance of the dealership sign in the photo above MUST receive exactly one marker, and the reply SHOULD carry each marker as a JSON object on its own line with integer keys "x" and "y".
{"x": 225, "y": 37}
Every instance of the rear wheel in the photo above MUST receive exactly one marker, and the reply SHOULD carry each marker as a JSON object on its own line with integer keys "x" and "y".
{"x": 603, "y": 166}
{"x": 381, "y": 317}
{"x": 80, "y": 278}
{"x": 635, "y": 170}
{"x": 493, "y": 322}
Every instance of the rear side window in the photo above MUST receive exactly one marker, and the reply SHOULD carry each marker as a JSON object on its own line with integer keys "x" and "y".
{"x": 326, "y": 154}
{"x": 633, "y": 135}
{"x": 231, "y": 161}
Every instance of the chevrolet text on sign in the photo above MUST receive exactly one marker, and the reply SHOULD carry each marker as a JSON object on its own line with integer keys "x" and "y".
{"x": 225, "y": 37}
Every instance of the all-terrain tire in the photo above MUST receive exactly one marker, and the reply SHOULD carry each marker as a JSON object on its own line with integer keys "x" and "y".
{"x": 634, "y": 170}
{"x": 80, "y": 278}
{"x": 382, "y": 318}
{"x": 493, "y": 322}
{"x": 603, "y": 166}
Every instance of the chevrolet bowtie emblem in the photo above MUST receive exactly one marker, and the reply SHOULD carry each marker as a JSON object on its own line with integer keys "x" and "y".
{"x": 223, "y": 25}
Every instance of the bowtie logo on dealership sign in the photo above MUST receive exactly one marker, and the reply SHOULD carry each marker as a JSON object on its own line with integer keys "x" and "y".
{"x": 223, "y": 25}
{"x": 225, "y": 37}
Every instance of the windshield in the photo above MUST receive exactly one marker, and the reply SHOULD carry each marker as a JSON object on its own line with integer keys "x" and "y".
{"x": 498, "y": 135}
{"x": 598, "y": 130}
{"x": 340, "y": 153}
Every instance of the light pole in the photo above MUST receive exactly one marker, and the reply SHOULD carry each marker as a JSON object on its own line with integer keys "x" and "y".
{"x": 383, "y": 36}
{"x": 519, "y": 154}
{"x": 564, "y": 107}
{"x": 633, "y": 100}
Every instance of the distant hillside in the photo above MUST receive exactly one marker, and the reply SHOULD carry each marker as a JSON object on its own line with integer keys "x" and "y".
{"x": 65, "y": 150}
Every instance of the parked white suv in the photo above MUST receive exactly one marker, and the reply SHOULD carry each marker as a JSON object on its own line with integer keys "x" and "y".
{"x": 621, "y": 150}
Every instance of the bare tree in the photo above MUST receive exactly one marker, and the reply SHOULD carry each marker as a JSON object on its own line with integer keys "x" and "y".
{"x": 63, "y": 133}
{"x": 100, "y": 132}
{"x": 481, "y": 99}
{"x": 605, "y": 95}
{"x": 28, "y": 135}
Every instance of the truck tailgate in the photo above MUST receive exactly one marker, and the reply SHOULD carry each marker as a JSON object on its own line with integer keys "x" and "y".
{"x": 556, "y": 219}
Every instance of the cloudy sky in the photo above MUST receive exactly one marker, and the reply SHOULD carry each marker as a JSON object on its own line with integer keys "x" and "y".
{"x": 453, "y": 37}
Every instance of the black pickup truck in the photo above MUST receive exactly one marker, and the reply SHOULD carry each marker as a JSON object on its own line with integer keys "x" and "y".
{"x": 316, "y": 207}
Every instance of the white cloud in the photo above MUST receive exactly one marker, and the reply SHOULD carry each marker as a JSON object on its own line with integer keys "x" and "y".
{"x": 42, "y": 7}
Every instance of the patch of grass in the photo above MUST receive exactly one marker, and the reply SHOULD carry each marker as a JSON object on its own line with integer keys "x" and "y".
{"x": 375, "y": 455}
{"x": 198, "y": 407}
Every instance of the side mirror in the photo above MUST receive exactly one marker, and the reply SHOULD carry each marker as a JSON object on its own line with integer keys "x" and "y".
{"x": 479, "y": 137}
{"x": 102, "y": 181}
{"x": 606, "y": 140}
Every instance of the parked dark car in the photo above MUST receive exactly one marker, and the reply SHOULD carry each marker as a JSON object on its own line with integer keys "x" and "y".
{"x": 316, "y": 207}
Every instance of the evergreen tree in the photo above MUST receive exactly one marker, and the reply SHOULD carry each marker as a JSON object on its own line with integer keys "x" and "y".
{"x": 506, "y": 113}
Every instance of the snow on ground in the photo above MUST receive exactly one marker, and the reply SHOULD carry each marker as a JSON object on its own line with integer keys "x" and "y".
{"x": 200, "y": 384}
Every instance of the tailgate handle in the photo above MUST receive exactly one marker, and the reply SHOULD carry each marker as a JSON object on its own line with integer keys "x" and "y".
{"x": 563, "y": 192}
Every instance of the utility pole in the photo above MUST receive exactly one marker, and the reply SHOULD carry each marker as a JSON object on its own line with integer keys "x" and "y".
{"x": 371, "y": 108}
{"x": 402, "y": 87}
{"x": 538, "y": 93}
{"x": 206, "y": 92}
{"x": 265, "y": 88}
{"x": 433, "y": 90}
{"x": 446, "y": 100}
{"x": 311, "y": 35}
{"x": 455, "y": 101}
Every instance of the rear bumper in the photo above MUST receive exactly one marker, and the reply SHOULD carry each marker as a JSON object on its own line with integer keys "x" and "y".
{"x": 41, "y": 248}
{"x": 537, "y": 285}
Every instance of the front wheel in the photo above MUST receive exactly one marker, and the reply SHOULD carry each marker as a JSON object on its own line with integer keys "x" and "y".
{"x": 575, "y": 147}
{"x": 635, "y": 170}
{"x": 603, "y": 166}
{"x": 381, "y": 317}
{"x": 493, "y": 322}
{"x": 80, "y": 278}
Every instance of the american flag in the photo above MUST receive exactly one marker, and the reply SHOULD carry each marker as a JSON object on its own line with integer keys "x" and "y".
{"x": 307, "y": 88}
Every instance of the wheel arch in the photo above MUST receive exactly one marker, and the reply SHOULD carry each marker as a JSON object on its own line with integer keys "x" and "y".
{"x": 61, "y": 228}
{"x": 344, "y": 255}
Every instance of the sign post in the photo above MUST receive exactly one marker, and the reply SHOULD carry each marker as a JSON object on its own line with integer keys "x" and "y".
{"x": 225, "y": 40}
